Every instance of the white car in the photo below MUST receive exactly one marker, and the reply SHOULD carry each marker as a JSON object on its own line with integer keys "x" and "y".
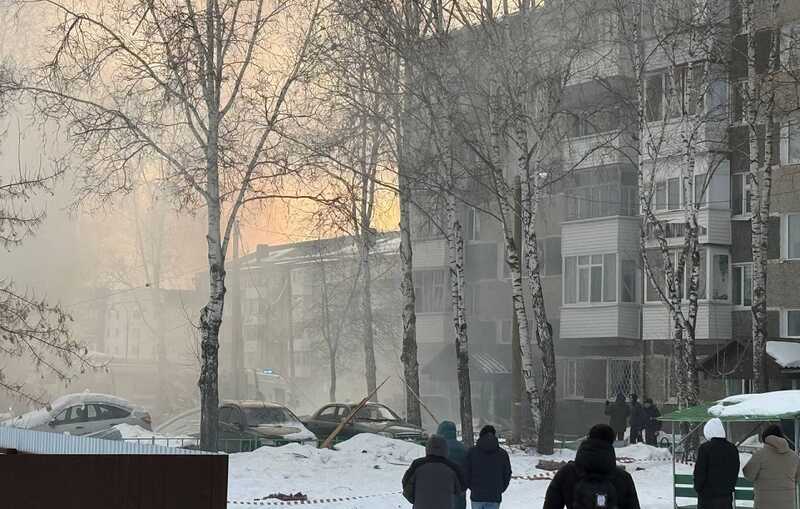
{"x": 82, "y": 414}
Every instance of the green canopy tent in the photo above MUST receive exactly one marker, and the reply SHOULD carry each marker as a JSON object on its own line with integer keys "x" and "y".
{"x": 756, "y": 408}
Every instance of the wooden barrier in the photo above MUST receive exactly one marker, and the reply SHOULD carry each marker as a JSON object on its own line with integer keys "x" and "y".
{"x": 45, "y": 481}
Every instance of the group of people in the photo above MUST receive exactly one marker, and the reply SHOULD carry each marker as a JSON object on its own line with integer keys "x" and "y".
{"x": 441, "y": 479}
{"x": 774, "y": 470}
{"x": 643, "y": 418}
{"x": 593, "y": 480}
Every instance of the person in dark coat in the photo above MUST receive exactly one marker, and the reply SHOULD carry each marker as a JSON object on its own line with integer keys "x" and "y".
{"x": 456, "y": 452}
{"x": 487, "y": 470}
{"x": 716, "y": 469}
{"x": 637, "y": 419}
{"x": 651, "y": 423}
{"x": 595, "y": 463}
{"x": 619, "y": 413}
{"x": 433, "y": 482}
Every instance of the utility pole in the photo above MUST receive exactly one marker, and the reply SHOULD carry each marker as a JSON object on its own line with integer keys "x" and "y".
{"x": 236, "y": 319}
{"x": 516, "y": 352}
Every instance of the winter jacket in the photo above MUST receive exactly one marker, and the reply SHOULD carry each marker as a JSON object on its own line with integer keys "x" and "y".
{"x": 651, "y": 422}
{"x": 775, "y": 471}
{"x": 456, "y": 452}
{"x": 593, "y": 457}
{"x": 638, "y": 417}
{"x": 487, "y": 470}
{"x": 433, "y": 482}
{"x": 619, "y": 413}
{"x": 717, "y": 467}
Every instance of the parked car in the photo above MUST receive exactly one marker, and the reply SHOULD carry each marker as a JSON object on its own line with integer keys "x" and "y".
{"x": 243, "y": 426}
{"x": 373, "y": 418}
{"x": 82, "y": 414}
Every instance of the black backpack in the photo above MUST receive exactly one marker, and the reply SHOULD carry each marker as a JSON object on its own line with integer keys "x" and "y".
{"x": 595, "y": 491}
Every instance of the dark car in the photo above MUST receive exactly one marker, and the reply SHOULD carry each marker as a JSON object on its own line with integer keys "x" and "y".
{"x": 246, "y": 425}
{"x": 373, "y": 418}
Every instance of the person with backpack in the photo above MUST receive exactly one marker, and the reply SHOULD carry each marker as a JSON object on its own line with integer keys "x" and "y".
{"x": 487, "y": 470}
{"x": 456, "y": 452}
{"x": 651, "y": 423}
{"x": 618, "y": 413}
{"x": 774, "y": 470}
{"x": 433, "y": 482}
{"x": 638, "y": 420}
{"x": 716, "y": 469}
{"x": 593, "y": 480}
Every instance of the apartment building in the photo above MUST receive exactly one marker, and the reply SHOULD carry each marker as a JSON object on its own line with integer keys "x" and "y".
{"x": 612, "y": 331}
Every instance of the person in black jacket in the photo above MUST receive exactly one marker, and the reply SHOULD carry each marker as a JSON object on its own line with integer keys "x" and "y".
{"x": 716, "y": 469}
{"x": 638, "y": 419}
{"x": 595, "y": 466}
{"x": 487, "y": 470}
{"x": 433, "y": 482}
{"x": 651, "y": 423}
{"x": 618, "y": 413}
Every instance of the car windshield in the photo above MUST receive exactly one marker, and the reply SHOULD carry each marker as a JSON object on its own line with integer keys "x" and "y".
{"x": 269, "y": 415}
{"x": 376, "y": 413}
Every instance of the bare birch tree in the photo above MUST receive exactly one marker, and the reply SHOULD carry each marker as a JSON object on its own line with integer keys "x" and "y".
{"x": 197, "y": 87}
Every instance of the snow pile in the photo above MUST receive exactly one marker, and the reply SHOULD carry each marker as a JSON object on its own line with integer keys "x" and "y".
{"x": 369, "y": 465}
{"x": 768, "y": 403}
{"x": 643, "y": 452}
{"x": 30, "y": 420}
{"x": 137, "y": 434}
{"x": 785, "y": 353}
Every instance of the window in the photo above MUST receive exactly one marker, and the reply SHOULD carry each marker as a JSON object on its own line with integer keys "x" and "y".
{"x": 506, "y": 332}
{"x": 667, "y": 92}
{"x": 740, "y": 194}
{"x": 720, "y": 272}
{"x": 792, "y": 323}
{"x": 628, "y": 280}
{"x": 622, "y": 377}
{"x": 112, "y": 412}
{"x": 739, "y": 92}
{"x": 570, "y": 280}
{"x": 590, "y": 278}
{"x": 791, "y": 232}
{"x": 673, "y": 194}
{"x": 792, "y": 150}
{"x": 328, "y": 413}
{"x": 551, "y": 256}
{"x": 743, "y": 284}
{"x": 656, "y": 261}
{"x": 572, "y": 378}
{"x": 790, "y": 46}
{"x": 661, "y": 195}
{"x": 430, "y": 291}
{"x": 472, "y": 230}
{"x": 225, "y": 414}
{"x": 601, "y": 201}
{"x": 700, "y": 190}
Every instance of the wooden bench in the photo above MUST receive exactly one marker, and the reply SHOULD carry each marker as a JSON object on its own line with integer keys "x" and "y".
{"x": 684, "y": 488}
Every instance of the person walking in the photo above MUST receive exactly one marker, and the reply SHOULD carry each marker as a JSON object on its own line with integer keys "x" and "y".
{"x": 774, "y": 470}
{"x": 651, "y": 423}
{"x": 593, "y": 480}
{"x": 433, "y": 482}
{"x": 456, "y": 452}
{"x": 487, "y": 471}
{"x": 637, "y": 420}
{"x": 716, "y": 469}
{"x": 618, "y": 413}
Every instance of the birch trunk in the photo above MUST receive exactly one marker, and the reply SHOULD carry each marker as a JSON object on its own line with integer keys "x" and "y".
{"x": 544, "y": 331}
{"x": 409, "y": 351}
{"x": 455, "y": 240}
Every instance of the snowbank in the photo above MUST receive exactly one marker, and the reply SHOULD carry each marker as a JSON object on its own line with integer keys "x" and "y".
{"x": 785, "y": 353}
{"x": 767, "y": 403}
{"x": 643, "y": 452}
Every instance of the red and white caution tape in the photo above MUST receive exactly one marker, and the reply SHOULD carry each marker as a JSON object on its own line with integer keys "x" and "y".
{"x": 316, "y": 501}
{"x": 536, "y": 477}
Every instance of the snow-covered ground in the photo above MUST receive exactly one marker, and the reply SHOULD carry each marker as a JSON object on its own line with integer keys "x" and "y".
{"x": 372, "y": 466}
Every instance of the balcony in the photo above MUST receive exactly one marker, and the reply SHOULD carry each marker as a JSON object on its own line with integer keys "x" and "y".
{"x": 715, "y": 227}
{"x": 430, "y": 254}
{"x": 619, "y": 320}
{"x": 617, "y": 234}
{"x": 604, "y": 60}
{"x": 596, "y": 150}
{"x": 713, "y": 321}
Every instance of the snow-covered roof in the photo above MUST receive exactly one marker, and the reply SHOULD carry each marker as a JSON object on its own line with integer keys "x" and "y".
{"x": 776, "y": 404}
{"x": 785, "y": 353}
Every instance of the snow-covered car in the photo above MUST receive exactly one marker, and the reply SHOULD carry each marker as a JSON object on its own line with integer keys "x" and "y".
{"x": 85, "y": 413}
{"x": 243, "y": 426}
{"x": 373, "y": 418}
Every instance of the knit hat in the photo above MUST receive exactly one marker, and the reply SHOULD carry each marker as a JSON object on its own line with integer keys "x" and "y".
{"x": 437, "y": 446}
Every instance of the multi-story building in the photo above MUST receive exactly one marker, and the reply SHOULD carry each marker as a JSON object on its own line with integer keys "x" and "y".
{"x": 300, "y": 301}
{"x": 612, "y": 331}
